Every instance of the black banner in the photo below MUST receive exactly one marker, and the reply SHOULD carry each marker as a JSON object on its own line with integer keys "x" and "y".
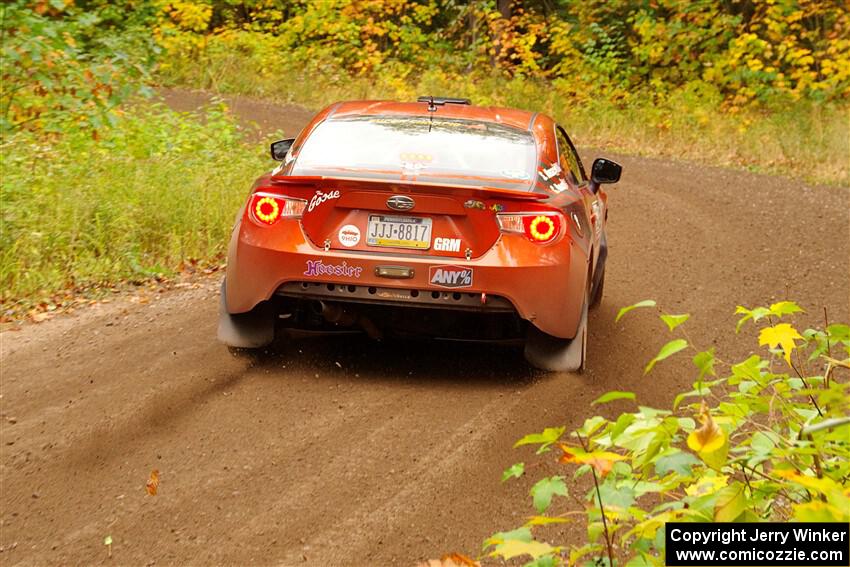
{"x": 823, "y": 544}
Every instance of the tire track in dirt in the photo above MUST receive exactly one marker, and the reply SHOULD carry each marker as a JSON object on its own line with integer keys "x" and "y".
{"x": 342, "y": 451}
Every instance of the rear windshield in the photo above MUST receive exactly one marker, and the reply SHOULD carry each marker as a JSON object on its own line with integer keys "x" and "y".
{"x": 420, "y": 148}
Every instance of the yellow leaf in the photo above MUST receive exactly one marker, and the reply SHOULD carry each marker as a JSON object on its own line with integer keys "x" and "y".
{"x": 817, "y": 511}
{"x": 153, "y": 482}
{"x": 514, "y": 548}
{"x": 709, "y": 437}
{"x": 545, "y": 520}
{"x": 826, "y": 487}
{"x": 707, "y": 485}
{"x": 454, "y": 560}
{"x": 731, "y": 503}
{"x": 602, "y": 461}
{"x": 648, "y": 528}
{"x": 782, "y": 335}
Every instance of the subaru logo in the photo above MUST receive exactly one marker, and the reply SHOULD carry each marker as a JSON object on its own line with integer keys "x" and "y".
{"x": 400, "y": 203}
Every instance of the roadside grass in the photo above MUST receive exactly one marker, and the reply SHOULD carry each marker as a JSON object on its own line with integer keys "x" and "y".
{"x": 158, "y": 190}
{"x": 803, "y": 139}
{"x": 154, "y": 193}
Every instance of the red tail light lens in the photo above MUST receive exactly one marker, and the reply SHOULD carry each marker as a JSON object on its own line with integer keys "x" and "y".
{"x": 266, "y": 209}
{"x": 540, "y": 228}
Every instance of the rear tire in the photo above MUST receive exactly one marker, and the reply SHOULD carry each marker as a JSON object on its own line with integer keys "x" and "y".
{"x": 254, "y": 329}
{"x": 555, "y": 354}
{"x": 597, "y": 292}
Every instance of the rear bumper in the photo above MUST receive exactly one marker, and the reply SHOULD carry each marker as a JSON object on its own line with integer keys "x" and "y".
{"x": 402, "y": 297}
{"x": 545, "y": 285}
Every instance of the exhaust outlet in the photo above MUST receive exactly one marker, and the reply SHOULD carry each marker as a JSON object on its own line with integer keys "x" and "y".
{"x": 333, "y": 313}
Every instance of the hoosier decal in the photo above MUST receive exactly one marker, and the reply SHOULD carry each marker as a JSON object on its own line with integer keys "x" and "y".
{"x": 451, "y": 276}
{"x": 317, "y": 268}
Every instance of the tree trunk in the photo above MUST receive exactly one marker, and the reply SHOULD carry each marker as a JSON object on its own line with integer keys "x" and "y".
{"x": 504, "y": 8}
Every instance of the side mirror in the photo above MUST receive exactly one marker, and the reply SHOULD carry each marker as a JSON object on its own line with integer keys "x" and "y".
{"x": 605, "y": 171}
{"x": 280, "y": 148}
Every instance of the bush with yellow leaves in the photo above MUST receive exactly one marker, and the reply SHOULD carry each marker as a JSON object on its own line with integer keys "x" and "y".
{"x": 60, "y": 69}
{"x": 753, "y": 52}
{"x": 763, "y": 439}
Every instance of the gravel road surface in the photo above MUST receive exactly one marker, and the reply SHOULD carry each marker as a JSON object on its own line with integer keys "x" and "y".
{"x": 344, "y": 451}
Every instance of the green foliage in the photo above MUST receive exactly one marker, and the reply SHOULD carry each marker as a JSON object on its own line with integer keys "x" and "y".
{"x": 704, "y": 361}
{"x": 546, "y": 488}
{"x": 624, "y": 310}
{"x": 740, "y": 51}
{"x": 616, "y": 82}
{"x": 544, "y": 439}
{"x": 666, "y": 351}
{"x": 740, "y": 83}
{"x": 517, "y": 543}
{"x": 611, "y": 396}
{"x": 767, "y": 441}
{"x": 673, "y": 321}
{"x": 516, "y": 470}
{"x": 61, "y": 69}
{"x": 777, "y": 310}
{"x": 157, "y": 191}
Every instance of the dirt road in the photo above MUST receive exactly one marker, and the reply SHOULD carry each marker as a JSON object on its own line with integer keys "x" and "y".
{"x": 349, "y": 452}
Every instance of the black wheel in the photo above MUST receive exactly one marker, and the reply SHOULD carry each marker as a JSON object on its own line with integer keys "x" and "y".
{"x": 597, "y": 292}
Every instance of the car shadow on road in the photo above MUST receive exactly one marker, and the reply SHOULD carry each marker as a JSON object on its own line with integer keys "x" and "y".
{"x": 357, "y": 357}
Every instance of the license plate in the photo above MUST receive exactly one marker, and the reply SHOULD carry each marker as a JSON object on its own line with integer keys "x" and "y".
{"x": 399, "y": 232}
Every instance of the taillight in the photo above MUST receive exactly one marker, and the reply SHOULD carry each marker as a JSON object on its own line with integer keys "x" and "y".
{"x": 266, "y": 209}
{"x": 537, "y": 227}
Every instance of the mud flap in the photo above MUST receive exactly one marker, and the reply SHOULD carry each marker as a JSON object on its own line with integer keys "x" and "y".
{"x": 555, "y": 354}
{"x": 253, "y": 329}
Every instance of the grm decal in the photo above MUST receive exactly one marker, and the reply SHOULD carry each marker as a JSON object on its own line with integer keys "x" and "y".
{"x": 447, "y": 244}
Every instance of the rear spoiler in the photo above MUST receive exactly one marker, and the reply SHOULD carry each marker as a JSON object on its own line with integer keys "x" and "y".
{"x": 393, "y": 184}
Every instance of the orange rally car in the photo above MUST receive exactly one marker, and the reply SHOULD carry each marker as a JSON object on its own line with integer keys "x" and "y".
{"x": 432, "y": 218}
